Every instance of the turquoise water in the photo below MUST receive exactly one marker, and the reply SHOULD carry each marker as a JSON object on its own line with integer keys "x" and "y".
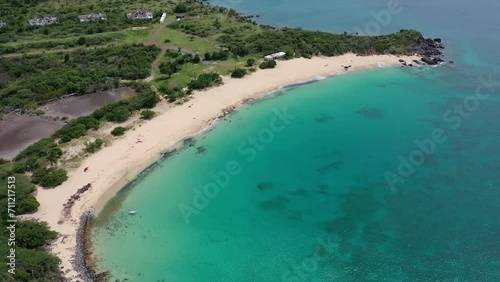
{"x": 295, "y": 187}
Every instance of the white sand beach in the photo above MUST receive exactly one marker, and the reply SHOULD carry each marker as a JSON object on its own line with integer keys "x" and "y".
{"x": 111, "y": 167}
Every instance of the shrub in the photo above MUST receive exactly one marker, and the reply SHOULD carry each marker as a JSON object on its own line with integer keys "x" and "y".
{"x": 180, "y": 8}
{"x": 91, "y": 147}
{"x": 196, "y": 59}
{"x": 118, "y": 131}
{"x": 238, "y": 73}
{"x": 119, "y": 114}
{"x": 81, "y": 41}
{"x": 53, "y": 178}
{"x": 267, "y": 65}
{"x": 27, "y": 205}
{"x": 19, "y": 167}
{"x": 33, "y": 234}
{"x": 250, "y": 62}
{"x": 37, "y": 175}
{"x": 205, "y": 80}
{"x": 147, "y": 114}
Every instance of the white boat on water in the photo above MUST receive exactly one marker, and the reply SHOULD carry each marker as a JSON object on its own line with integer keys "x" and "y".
{"x": 132, "y": 212}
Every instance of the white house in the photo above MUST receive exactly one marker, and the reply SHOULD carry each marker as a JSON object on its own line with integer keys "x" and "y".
{"x": 93, "y": 18}
{"x": 275, "y": 56}
{"x": 47, "y": 20}
{"x": 140, "y": 15}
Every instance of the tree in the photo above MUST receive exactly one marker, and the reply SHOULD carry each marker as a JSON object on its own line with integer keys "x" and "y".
{"x": 118, "y": 131}
{"x": 91, "y": 147}
{"x": 33, "y": 235}
{"x": 180, "y": 8}
{"x": 196, "y": 59}
{"x": 81, "y": 41}
{"x": 66, "y": 58}
{"x": 53, "y": 178}
{"x": 238, "y": 73}
{"x": 267, "y": 65}
{"x": 250, "y": 62}
{"x": 208, "y": 56}
{"x": 119, "y": 114}
{"x": 53, "y": 155}
{"x": 147, "y": 114}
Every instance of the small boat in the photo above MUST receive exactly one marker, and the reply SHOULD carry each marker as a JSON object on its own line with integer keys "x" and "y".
{"x": 132, "y": 212}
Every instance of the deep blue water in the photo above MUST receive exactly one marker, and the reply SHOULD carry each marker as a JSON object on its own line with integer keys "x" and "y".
{"x": 333, "y": 194}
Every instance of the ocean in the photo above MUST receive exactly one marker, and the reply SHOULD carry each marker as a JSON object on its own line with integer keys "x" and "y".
{"x": 381, "y": 175}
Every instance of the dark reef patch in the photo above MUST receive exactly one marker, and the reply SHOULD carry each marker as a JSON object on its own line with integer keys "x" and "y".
{"x": 329, "y": 167}
{"x": 323, "y": 118}
{"x": 264, "y": 186}
{"x": 278, "y": 203}
{"x": 201, "y": 150}
{"x": 371, "y": 113}
{"x": 299, "y": 192}
{"x": 323, "y": 189}
{"x": 189, "y": 142}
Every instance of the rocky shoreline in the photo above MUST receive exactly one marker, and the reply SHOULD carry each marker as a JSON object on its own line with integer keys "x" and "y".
{"x": 82, "y": 260}
{"x": 430, "y": 50}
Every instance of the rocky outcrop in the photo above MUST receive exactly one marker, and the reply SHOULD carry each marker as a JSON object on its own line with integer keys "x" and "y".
{"x": 430, "y": 51}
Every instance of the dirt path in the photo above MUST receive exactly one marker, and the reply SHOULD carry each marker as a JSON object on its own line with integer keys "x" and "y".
{"x": 154, "y": 39}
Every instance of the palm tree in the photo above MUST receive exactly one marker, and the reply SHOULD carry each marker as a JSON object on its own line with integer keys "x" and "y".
{"x": 53, "y": 155}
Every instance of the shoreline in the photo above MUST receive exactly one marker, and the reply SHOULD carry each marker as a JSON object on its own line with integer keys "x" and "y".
{"x": 113, "y": 167}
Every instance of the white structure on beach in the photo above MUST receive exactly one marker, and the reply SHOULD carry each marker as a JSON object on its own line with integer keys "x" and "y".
{"x": 140, "y": 15}
{"x": 163, "y": 16}
{"x": 275, "y": 56}
{"x": 93, "y": 18}
{"x": 47, "y": 20}
{"x": 2, "y": 24}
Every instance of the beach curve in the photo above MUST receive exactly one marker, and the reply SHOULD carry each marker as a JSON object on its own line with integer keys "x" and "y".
{"x": 113, "y": 166}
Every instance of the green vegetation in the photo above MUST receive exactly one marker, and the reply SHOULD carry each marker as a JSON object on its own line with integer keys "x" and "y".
{"x": 52, "y": 178}
{"x": 238, "y": 73}
{"x": 33, "y": 263}
{"x": 17, "y": 12}
{"x": 205, "y": 80}
{"x": 76, "y": 128}
{"x": 147, "y": 114}
{"x": 268, "y": 65}
{"x": 91, "y": 147}
{"x": 118, "y": 131}
{"x": 250, "y": 62}
{"x": 80, "y": 72}
{"x": 42, "y": 156}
